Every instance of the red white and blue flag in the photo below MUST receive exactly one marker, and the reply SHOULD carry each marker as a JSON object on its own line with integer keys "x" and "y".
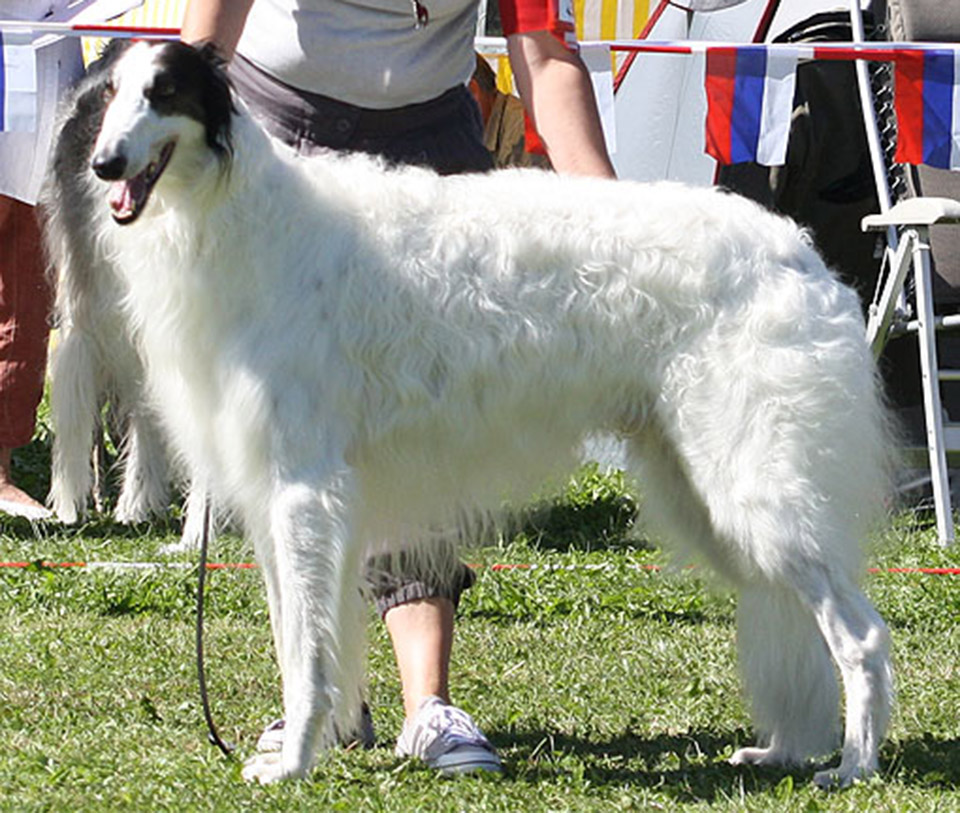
{"x": 927, "y": 106}
{"x": 749, "y": 103}
{"x": 18, "y": 83}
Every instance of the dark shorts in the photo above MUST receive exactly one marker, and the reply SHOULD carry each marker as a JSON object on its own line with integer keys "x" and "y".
{"x": 445, "y": 134}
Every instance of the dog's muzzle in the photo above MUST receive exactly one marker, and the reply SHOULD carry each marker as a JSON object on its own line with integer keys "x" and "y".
{"x": 128, "y": 195}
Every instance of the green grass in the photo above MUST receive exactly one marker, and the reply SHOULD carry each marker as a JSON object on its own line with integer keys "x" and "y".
{"x": 604, "y": 686}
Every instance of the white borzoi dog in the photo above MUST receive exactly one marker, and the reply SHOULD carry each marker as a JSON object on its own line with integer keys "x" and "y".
{"x": 95, "y": 360}
{"x": 351, "y": 355}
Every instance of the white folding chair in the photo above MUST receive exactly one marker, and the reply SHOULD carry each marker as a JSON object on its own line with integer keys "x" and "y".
{"x": 908, "y": 255}
{"x": 912, "y": 219}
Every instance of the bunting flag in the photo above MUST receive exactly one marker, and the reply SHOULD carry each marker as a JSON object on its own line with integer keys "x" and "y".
{"x": 749, "y": 103}
{"x": 927, "y": 106}
{"x": 18, "y": 83}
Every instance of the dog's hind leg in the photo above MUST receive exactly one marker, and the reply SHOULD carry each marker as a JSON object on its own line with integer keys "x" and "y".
{"x": 194, "y": 512}
{"x": 860, "y": 644}
{"x": 785, "y": 665}
{"x": 795, "y": 614}
{"x": 312, "y": 570}
{"x": 788, "y": 635}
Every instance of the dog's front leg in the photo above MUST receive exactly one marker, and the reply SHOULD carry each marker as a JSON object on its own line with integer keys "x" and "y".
{"x": 312, "y": 576}
{"x": 77, "y": 378}
{"x": 194, "y": 517}
{"x": 145, "y": 471}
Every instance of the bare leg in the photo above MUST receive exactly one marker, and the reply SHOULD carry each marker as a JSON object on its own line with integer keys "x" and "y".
{"x": 24, "y": 304}
{"x": 15, "y": 498}
{"x": 443, "y": 736}
{"x": 422, "y": 636}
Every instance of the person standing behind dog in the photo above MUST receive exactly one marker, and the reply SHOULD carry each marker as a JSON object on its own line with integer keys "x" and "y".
{"x": 391, "y": 79}
{"x": 24, "y": 307}
{"x": 504, "y": 133}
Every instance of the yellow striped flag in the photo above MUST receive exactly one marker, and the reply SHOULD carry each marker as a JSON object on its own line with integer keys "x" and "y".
{"x": 152, "y": 14}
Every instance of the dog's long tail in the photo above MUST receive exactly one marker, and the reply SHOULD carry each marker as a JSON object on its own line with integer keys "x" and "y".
{"x": 788, "y": 674}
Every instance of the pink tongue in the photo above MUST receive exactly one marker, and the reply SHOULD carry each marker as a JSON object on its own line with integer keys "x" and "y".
{"x": 125, "y": 196}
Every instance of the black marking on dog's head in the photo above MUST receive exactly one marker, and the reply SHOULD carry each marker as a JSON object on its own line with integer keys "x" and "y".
{"x": 192, "y": 81}
{"x": 168, "y": 81}
{"x": 81, "y": 115}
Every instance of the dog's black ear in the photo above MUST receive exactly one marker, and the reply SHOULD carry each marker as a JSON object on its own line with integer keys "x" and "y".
{"x": 108, "y": 55}
{"x": 192, "y": 81}
{"x": 218, "y": 100}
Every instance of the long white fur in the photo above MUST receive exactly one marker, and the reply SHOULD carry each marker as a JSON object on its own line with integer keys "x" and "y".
{"x": 95, "y": 359}
{"x": 343, "y": 351}
{"x": 89, "y": 366}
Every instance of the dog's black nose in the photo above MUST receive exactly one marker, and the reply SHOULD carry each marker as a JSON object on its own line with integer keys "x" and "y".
{"x": 109, "y": 169}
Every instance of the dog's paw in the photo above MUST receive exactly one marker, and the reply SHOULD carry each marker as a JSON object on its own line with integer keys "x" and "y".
{"x": 131, "y": 512}
{"x": 65, "y": 512}
{"x": 183, "y": 546}
{"x": 191, "y": 536}
{"x": 830, "y": 779}
{"x": 755, "y": 756}
{"x": 266, "y": 769}
{"x": 840, "y": 777}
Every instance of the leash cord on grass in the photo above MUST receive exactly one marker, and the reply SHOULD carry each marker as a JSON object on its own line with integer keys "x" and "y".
{"x": 212, "y": 734}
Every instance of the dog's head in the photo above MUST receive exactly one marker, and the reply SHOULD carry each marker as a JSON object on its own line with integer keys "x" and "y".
{"x": 161, "y": 99}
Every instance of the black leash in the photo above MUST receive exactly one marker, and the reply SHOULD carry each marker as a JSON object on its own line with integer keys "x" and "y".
{"x": 212, "y": 734}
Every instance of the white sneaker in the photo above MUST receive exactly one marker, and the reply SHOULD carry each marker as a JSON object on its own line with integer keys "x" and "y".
{"x": 446, "y": 738}
{"x": 271, "y": 740}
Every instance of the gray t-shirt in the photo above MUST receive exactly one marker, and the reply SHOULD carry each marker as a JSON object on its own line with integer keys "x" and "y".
{"x": 368, "y": 53}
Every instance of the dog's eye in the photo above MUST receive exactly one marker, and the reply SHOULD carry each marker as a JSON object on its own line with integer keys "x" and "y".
{"x": 162, "y": 89}
{"x": 109, "y": 91}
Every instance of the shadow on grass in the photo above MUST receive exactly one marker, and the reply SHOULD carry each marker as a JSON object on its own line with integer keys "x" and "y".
{"x": 97, "y": 526}
{"x": 690, "y": 767}
{"x": 594, "y": 511}
{"x": 925, "y": 761}
{"x": 693, "y": 766}
{"x": 504, "y": 604}
{"x": 604, "y": 523}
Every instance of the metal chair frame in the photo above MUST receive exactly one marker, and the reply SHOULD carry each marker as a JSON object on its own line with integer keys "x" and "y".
{"x": 912, "y": 219}
{"x": 908, "y": 253}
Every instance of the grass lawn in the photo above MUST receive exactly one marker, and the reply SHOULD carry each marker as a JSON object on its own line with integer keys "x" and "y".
{"x": 604, "y": 685}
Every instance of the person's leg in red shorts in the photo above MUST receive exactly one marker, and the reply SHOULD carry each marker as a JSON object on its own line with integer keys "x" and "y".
{"x": 24, "y": 331}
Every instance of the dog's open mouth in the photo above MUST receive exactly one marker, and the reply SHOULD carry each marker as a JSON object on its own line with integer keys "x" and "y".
{"x": 129, "y": 196}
